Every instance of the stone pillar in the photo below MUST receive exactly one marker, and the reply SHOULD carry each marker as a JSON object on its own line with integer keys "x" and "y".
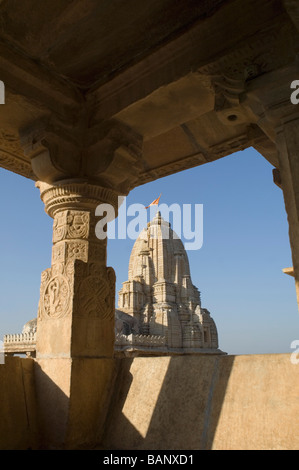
{"x": 288, "y": 153}
{"x": 75, "y": 326}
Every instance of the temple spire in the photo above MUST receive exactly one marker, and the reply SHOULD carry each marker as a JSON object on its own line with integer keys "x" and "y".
{"x": 160, "y": 294}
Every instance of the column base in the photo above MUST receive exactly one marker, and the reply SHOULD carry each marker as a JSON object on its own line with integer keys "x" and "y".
{"x": 72, "y": 399}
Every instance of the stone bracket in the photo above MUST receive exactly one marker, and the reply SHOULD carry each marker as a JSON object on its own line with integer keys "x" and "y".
{"x": 109, "y": 154}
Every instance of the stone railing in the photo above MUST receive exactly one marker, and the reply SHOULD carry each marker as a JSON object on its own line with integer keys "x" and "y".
{"x": 122, "y": 340}
{"x": 23, "y": 343}
{"x": 149, "y": 341}
{"x": 139, "y": 341}
{"x": 20, "y": 338}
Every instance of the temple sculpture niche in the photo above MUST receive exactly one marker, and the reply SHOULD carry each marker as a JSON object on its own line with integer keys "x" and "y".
{"x": 159, "y": 309}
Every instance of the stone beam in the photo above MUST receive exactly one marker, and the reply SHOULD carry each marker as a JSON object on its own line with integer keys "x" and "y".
{"x": 205, "y": 44}
{"x": 31, "y": 83}
{"x": 11, "y": 154}
{"x": 292, "y": 7}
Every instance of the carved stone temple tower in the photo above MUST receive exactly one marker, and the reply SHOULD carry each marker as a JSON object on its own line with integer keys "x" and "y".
{"x": 161, "y": 298}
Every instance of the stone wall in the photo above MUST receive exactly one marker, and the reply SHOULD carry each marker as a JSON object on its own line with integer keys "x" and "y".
{"x": 18, "y": 423}
{"x": 182, "y": 402}
{"x": 205, "y": 402}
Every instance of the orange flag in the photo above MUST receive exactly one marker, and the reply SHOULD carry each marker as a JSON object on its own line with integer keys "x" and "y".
{"x": 155, "y": 202}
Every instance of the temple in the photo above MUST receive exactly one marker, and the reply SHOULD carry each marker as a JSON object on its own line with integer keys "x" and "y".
{"x": 159, "y": 308}
{"x": 160, "y": 296}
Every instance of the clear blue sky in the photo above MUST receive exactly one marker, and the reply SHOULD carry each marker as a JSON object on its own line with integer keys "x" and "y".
{"x": 238, "y": 269}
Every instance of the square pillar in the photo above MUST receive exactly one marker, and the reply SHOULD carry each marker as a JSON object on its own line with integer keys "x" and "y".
{"x": 75, "y": 326}
{"x": 288, "y": 153}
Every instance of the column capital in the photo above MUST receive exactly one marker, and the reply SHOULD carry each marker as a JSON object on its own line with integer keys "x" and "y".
{"x": 75, "y": 194}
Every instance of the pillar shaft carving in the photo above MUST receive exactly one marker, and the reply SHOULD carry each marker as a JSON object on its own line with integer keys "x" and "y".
{"x": 76, "y": 308}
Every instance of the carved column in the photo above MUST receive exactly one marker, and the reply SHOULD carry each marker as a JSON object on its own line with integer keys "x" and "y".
{"x": 78, "y": 167}
{"x": 288, "y": 152}
{"x": 76, "y": 309}
{"x": 75, "y": 327}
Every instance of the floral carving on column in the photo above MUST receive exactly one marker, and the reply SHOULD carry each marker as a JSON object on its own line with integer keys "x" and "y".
{"x": 78, "y": 281}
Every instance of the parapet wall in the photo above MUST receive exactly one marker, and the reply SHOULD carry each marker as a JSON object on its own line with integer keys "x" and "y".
{"x": 205, "y": 402}
{"x": 175, "y": 403}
